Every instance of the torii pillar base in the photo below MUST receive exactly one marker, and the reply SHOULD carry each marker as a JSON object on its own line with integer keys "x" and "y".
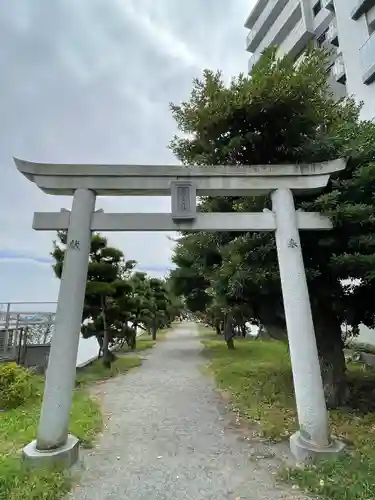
{"x": 64, "y": 457}
{"x": 305, "y": 451}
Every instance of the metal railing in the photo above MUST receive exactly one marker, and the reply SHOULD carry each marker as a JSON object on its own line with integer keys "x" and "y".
{"x": 338, "y": 69}
{"x": 332, "y": 33}
{"x": 25, "y": 323}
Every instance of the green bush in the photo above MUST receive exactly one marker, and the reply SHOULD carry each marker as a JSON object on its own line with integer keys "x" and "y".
{"x": 17, "y": 385}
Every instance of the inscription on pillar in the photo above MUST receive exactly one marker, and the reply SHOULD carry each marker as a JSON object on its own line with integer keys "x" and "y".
{"x": 183, "y": 199}
{"x": 74, "y": 245}
{"x": 292, "y": 243}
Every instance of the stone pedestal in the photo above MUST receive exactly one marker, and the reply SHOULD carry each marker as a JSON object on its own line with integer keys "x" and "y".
{"x": 304, "y": 450}
{"x": 65, "y": 456}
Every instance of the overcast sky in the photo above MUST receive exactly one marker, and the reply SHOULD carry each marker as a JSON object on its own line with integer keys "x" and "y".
{"x": 90, "y": 81}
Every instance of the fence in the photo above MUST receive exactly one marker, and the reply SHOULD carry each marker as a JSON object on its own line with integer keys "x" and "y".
{"x": 26, "y": 329}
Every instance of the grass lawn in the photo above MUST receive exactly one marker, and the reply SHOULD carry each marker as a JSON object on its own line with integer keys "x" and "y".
{"x": 97, "y": 372}
{"x": 206, "y": 332}
{"x": 18, "y": 427}
{"x": 258, "y": 376}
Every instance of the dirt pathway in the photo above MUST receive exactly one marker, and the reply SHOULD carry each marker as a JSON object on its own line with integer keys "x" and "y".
{"x": 169, "y": 436}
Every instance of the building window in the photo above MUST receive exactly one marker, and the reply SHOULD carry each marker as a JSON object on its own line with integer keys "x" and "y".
{"x": 322, "y": 38}
{"x": 317, "y": 8}
{"x": 370, "y": 22}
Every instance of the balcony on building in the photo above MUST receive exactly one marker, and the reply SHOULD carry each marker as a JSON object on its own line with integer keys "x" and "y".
{"x": 252, "y": 62}
{"x": 338, "y": 70}
{"x": 259, "y": 25}
{"x": 361, "y": 8}
{"x": 282, "y": 27}
{"x": 337, "y": 90}
{"x": 367, "y": 54}
{"x": 296, "y": 41}
{"x": 322, "y": 20}
{"x": 254, "y": 14}
{"x": 332, "y": 33}
{"x": 329, "y": 5}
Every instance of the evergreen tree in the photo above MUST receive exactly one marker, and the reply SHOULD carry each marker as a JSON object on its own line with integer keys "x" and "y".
{"x": 282, "y": 114}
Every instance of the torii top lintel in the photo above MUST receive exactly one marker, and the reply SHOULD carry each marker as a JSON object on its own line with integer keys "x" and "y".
{"x": 155, "y": 180}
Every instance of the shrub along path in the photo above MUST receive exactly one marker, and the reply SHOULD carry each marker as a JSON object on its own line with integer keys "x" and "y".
{"x": 170, "y": 436}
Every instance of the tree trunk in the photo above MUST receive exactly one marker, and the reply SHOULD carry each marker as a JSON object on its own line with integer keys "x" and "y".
{"x": 243, "y": 330}
{"x": 230, "y": 344}
{"x": 228, "y": 331}
{"x": 99, "y": 339}
{"x": 331, "y": 358}
{"x": 107, "y": 355}
{"x": 153, "y": 331}
{"x": 133, "y": 337}
{"x": 217, "y": 327}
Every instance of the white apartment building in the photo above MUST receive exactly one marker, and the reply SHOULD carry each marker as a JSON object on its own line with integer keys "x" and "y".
{"x": 346, "y": 26}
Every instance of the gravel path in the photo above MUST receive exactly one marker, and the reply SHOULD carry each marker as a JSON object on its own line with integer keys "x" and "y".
{"x": 169, "y": 436}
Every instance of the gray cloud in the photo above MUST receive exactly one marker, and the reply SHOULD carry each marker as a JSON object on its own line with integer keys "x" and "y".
{"x": 90, "y": 81}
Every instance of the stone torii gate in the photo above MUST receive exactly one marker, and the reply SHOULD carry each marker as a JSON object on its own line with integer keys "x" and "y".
{"x": 183, "y": 184}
